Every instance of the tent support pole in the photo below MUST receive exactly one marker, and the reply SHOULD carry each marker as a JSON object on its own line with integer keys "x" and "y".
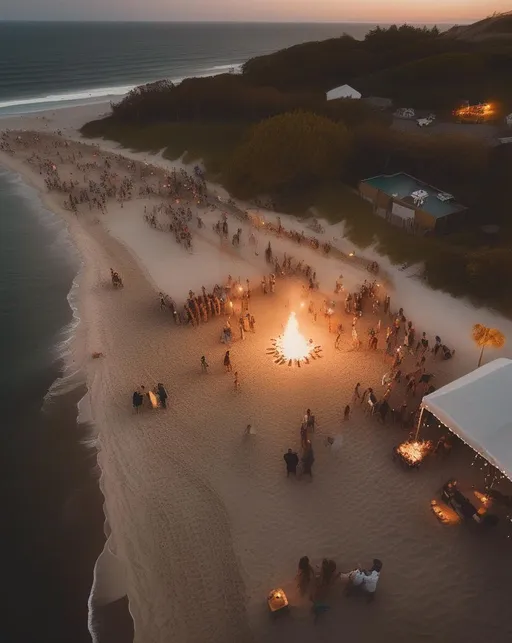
{"x": 420, "y": 420}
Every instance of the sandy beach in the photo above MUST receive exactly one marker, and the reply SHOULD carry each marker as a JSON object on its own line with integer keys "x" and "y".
{"x": 201, "y": 520}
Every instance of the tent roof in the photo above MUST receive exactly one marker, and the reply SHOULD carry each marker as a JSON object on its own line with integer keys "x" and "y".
{"x": 344, "y": 91}
{"x": 478, "y": 408}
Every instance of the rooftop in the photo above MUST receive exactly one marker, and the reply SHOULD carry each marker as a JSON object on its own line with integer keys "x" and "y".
{"x": 401, "y": 186}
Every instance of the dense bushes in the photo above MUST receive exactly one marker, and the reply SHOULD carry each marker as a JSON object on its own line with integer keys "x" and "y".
{"x": 225, "y": 97}
{"x": 289, "y": 150}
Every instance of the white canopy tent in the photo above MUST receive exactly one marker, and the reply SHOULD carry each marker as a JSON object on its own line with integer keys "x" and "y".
{"x": 478, "y": 409}
{"x": 345, "y": 91}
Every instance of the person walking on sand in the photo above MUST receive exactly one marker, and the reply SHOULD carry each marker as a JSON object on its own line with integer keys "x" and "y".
{"x": 356, "y": 394}
{"x": 346, "y": 413}
{"x": 309, "y": 420}
{"x": 204, "y": 365}
{"x": 236, "y": 383}
{"x": 338, "y": 336}
{"x": 227, "y": 363}
{"x": 292, "y": 460}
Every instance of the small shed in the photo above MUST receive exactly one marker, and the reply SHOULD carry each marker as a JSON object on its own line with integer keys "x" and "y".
{"x": 344, "y": 91}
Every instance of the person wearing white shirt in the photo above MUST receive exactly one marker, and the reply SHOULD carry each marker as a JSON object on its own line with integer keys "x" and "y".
{"x": 364, "y": 580}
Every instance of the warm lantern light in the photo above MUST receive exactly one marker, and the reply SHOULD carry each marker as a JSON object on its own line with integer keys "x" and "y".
{"x": 277, "y": 600}
{"x": 292, "y": 346}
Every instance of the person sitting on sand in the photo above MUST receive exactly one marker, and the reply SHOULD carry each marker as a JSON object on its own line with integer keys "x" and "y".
{"x": 305, "y": 575}
{"x": 365, "y": 580}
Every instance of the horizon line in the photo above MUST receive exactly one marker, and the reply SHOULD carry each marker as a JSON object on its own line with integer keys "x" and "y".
{"x": 245, "y": 22}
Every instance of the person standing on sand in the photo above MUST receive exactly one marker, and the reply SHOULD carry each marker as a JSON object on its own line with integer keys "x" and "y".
{"x": 356, "y": 395}
{"x": 227, "y": 363}
{"x": 162, "y": 394}
{"x": 292, "y": 460}
{"x": 346, "y": 413}
{"x": 137, "y": 400}
{"x": 236, "y": 383}
{"x": 305, "y": 575}
{"x": 308, "y": 458}
{"x": 204, "y": 365}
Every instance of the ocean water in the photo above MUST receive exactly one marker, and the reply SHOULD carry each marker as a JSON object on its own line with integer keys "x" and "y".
{"x": 48, "y": 546}
{"x": 48, "y": 65}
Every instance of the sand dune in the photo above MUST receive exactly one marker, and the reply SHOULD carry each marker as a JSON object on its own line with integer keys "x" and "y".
{"x": 203, "y": 520}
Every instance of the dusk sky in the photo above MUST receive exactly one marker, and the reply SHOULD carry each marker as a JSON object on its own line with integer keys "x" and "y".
{"x": 254, "y": 10}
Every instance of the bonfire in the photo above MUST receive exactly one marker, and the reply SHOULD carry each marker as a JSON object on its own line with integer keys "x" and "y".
{"x": 292, "y": 347}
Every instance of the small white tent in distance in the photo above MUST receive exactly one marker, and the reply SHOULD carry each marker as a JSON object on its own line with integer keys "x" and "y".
{"x": 344, "y": 91}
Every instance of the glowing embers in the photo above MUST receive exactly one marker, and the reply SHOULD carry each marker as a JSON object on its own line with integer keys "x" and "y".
{"x": 414, "y": 452}
{"x": 292, "y": 347}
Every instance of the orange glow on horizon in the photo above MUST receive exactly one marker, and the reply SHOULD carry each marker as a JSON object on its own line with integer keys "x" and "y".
{"x": 370, "y": 11}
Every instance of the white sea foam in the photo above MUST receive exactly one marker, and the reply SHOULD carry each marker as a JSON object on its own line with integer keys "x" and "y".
{"x": 97, "y": 93}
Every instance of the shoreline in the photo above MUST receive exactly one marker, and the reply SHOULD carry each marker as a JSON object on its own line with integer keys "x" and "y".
{"x": 98, "y": 248}
{"x": 76, "y": 362}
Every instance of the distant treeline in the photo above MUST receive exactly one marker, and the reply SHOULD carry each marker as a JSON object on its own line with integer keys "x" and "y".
{"x": 415, "y": 67}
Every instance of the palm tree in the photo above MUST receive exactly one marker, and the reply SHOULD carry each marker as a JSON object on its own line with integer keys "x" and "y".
{"x": 484, "y": 336}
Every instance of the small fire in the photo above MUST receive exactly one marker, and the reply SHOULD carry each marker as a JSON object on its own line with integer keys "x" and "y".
{"x": 292, "y": 346}
{"x": 414, "y": 452}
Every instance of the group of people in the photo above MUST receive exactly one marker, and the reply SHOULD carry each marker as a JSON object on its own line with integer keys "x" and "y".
{"x": 108, "y": 176}
{"x": 178, "y": 222}
{"x": 151, "y": 399}
{"x": 303, "y": 465}
{"x": 317, "y": 583}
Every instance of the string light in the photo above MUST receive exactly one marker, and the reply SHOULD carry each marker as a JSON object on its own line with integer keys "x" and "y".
{"x": 477, "y": 454}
